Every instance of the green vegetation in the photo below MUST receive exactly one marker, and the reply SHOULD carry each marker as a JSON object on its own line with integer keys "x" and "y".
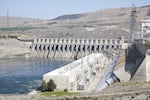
{"x": 65, "y": 90}
{"x": 20, "y": 28}
{"x": 44, "y": 86}
{"x": 87, "y": 25}
{"x": 59, "y": 93}
{"x": 51, "y": 23}
{"x": 8, "y": 36}
{"x": 50, "y": 86}
{"x": 92, "y": 22}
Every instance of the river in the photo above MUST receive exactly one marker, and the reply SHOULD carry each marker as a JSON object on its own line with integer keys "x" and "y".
{"x": 22, "y": 75}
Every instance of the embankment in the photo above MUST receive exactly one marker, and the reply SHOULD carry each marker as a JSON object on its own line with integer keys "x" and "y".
{"x": 12, "y": 47}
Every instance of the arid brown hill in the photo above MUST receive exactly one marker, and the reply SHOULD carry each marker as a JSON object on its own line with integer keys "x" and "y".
{"x": 107, "y": 23}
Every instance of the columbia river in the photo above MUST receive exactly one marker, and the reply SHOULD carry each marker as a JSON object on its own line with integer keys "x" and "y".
{"x": 22, "y": 75}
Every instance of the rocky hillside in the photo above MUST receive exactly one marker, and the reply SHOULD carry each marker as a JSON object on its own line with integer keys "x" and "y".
{"x": 107, "y": 23}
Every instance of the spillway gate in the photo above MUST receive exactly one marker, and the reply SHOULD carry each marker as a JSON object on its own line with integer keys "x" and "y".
{"x": 71, "y": 47}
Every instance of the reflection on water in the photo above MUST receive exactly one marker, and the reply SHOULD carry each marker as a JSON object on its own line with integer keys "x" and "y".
{"x": 22, "y": 75}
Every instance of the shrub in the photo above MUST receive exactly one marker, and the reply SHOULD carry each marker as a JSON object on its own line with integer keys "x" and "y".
{"x": 51, "y": 85}
{"x": 44, "y": 86}
{"x": 65, "y": 90}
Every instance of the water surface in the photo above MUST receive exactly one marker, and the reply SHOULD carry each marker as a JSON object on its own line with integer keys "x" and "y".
{"x": 22, "y": 75}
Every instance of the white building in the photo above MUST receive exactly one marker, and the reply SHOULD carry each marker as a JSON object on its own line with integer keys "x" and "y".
{"x": 145, "y": 27}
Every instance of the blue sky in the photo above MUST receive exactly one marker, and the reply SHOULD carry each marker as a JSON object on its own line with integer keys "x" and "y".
{"x": 47, "y": 9}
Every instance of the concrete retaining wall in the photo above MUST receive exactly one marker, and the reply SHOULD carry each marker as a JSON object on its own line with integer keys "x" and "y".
{"x": 77, "y": 75}
{"x": 148, "y": 65}
{"x": 131, "y": 61}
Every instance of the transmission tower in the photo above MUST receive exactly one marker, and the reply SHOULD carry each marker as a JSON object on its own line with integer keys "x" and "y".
{"x": 132, "y": 27}
{"x": 132, "y": 33}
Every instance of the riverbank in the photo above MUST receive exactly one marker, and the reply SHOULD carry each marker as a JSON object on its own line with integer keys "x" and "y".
{"x": 13, "y": 47}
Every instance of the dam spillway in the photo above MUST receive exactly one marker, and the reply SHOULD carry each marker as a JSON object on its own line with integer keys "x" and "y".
{"x": 72, "y": 48}
{"x": 80, "y": 75}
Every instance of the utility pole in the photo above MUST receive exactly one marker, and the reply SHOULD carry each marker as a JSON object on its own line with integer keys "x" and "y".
{"x": 7, "y": 18}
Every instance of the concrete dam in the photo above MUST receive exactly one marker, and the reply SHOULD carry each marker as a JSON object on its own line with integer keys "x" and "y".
{"x": 72, "y": 48}
{"x": 100, "y": 61}
{"x": 83, "y": 74}
{"x": 95, "y": 68}
{"x": 96, "y": 71}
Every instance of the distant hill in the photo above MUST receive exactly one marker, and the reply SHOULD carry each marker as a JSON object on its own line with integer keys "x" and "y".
{"x": 107, "y": 23}
{"x": 16, "y": 21}
{"x": 65, "y": 17}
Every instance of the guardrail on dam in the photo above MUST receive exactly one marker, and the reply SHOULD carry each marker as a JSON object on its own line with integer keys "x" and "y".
{"x": 72, "y": 48}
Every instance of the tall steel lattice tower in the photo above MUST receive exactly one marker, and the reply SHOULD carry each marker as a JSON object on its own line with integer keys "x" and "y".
{"x": 132, "y": 33}
{"x": 132, "y": 27}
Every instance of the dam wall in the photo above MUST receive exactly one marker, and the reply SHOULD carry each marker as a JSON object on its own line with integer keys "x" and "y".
{"x": 143, "y": 72}
{"x": 80, "y": 74}
{"x": 128, "y": 63}
{"x": 72, "y": 48}
{"x": 148, "y": 65}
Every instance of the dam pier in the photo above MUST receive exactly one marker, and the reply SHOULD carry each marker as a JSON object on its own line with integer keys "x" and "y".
{"x": 72, "y": 48}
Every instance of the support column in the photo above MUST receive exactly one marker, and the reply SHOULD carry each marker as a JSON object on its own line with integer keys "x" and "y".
{"x": 148, "y": 65}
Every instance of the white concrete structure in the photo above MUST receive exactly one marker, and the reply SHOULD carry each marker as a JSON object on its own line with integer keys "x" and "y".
{"x": 71, "y": 47}
{"x": 145, "y": 28}
{"x": 148, "y": 65}
{"x": 77, "y": 75}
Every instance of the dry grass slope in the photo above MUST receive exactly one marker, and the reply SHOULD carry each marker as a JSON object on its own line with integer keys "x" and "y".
{"x": 108, "y": 23}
